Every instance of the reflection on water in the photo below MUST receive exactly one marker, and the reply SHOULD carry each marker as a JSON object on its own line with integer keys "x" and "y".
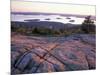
{"x": 49, "y": 18}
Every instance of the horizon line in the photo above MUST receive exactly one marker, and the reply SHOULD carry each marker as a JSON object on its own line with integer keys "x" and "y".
{"x": 12, "y": 12}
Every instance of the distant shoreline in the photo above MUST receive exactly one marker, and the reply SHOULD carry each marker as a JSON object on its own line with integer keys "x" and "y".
{"x": 45, "y": 13}
{"x": 45, "y": 24}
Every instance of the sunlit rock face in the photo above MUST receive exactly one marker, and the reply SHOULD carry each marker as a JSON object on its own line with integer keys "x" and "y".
{"x": 31, "y": 54}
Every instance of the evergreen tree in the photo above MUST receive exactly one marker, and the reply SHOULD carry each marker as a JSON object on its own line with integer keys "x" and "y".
{"x": 88, "y": 25}
{"x": 35, "y": 30}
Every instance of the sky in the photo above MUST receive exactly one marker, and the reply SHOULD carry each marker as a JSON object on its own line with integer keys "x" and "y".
{"x": 36, "y": 6}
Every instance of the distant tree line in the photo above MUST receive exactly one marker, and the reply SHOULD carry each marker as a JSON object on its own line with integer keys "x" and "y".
{"x": 87, "y": 27}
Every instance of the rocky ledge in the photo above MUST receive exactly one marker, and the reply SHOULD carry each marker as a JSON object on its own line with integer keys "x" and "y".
{"x": 31, "y": 54}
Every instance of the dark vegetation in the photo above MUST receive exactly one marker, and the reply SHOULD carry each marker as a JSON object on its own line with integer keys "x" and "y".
{"x": 47, "y": 19}
{"x": 58, "y": 18}
{"x": 68, "y": 18}
{"x": 88, "y": 25}
{"x": 56, "y": 29}
{"x": 71, "y": 20}
{"x": 33, "y": 20}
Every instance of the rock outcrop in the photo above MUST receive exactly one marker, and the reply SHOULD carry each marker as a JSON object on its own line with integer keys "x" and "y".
{"x": 30, "y": 54}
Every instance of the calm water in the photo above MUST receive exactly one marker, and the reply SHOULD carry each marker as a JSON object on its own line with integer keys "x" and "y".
{"x": 50, "y": 18}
